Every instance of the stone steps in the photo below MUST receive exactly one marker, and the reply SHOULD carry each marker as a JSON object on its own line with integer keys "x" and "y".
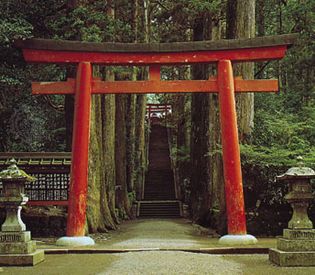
{"x": 159, "y": 190}
{"x": 159, "y": 209}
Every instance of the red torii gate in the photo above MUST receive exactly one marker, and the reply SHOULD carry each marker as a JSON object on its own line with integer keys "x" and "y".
{"x": 155, "y": 55}
{"x": 152, "y": 108}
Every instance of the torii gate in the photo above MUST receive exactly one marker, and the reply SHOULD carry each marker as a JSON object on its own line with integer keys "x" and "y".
{"x": 155, "y": 55}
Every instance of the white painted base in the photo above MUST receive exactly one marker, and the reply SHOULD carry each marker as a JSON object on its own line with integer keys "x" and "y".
{"x": 237, "y": 239}
{"x": 75, "y": 241}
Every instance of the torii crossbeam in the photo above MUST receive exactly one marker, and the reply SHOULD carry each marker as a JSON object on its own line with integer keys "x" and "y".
{"x": 155, "y": 55}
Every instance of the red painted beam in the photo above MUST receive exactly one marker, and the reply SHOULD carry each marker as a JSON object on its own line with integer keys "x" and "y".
{"x": 110, "y": 58}
{"x": 51, "y": 88}
{"x": 256, "y": 85}
{"x": 231, "y": 151}
{"x": 154, "y": 86}
{"x": 80, "y": 150}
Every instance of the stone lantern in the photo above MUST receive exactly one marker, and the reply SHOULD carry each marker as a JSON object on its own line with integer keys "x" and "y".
{"x": 16, "y": 246}
{"x": 297, "y": 245}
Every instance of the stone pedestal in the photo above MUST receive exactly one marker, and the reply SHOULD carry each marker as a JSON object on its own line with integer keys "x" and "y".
{"x": 236, "y": 240}
{"x": 295, "y": 248}
{"x": 16, "y": 246}
{"x": 297, "y": 245}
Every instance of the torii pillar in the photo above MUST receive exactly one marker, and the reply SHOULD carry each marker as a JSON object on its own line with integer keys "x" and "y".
{"x": 234, "y": 198}
{"x": 79, "y": 160}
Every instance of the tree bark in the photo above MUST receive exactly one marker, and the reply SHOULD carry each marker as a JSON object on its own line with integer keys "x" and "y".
{"x": 241, "y": 24}
{"x": 108, "y": 185}
{"x": 69, "y": 112}
{"x": 140, "y": 150}
{"x": 207, "y": 186}
{"x": 217, "y": 207}
{"x": 122, "y": 201}
{"x": 101, "y": 196}
{"x": 131, "y": 126}
{"x": 260, "y": 15}
{"x": 95, "y": 173}
{"x": 200, "y": 142}
{"x": 140, "y": 130}
{"x": 131, "y": 112}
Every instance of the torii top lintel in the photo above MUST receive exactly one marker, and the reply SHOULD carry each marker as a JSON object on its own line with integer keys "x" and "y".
{"x": 237, "y": 50}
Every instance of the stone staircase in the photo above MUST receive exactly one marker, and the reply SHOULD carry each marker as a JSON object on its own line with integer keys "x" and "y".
{"x": 159, "y": 189}
{"x": 159, "y": 209}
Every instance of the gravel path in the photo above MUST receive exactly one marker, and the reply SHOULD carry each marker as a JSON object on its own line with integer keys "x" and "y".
{"x": 156, "y": 263}
{"x": 169, "y": 263}
{"x": 150, "y": 234}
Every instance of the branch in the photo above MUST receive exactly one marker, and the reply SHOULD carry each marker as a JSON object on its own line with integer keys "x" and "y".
{"x": 262, "y": 68}
{"x": 57, "y": 108}
{"x": 160, "y": 4}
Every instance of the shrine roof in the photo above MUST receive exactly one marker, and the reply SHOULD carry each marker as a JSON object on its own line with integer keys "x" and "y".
{"x": 226, "y": 44}
{"x": 36, "y": 158}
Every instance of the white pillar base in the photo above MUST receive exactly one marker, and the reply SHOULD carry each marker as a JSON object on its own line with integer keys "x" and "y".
{"x": 237, "y": 239}
{"x": 75, "y": 241}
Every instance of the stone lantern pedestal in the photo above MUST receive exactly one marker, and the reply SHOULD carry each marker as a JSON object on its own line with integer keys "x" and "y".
{"x": 297, "y": 245}
{"x": 16, "y": 246}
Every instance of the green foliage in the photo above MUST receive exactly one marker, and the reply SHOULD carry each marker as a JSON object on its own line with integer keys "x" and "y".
{"x": 132, "y": 197}
{"x": 12, "y": 29}
{"x": 279, "y": 137}
{"x": 200, "y": 6}
{"x": 88, "y": 23}
{"x": 181, "y": 154}
{"x": 121, "y": 213}
{"x": 27, "y": 123}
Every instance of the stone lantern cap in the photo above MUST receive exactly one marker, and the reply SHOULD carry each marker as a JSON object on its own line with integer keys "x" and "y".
{"x": 299, "y": 172}
{"x": 14, "y": 173}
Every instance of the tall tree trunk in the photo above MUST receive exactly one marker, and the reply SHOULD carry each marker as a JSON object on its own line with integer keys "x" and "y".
{"x": 241, "y": 24}
{"x": 140, "y": 131}
{"x": 260, "y": 15}
{"x": 207, "y": 187}
{"x": 122, "y": 201}
{"x": 147, "y": 25}
{"x": 131, "y": 111}
{"x": 200, "y": 142}
{"x": 181, "y": 117}
{"x": 131, "y": 126}
{"x": 95, "y": 172}
{"x": 108, "y": 132}
{"x": 260, "y": 19}
{"x": 140, "y": 150}
{"x": 101, "y": 196}
{"x": 109, "y": 172}
{"x": 69, "y": 111}
{"x": 217, "y": 208}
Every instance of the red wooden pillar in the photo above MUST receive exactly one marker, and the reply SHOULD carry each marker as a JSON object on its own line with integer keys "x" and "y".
{"x": 80, "y": 150}
{"x": 231, "y": 151}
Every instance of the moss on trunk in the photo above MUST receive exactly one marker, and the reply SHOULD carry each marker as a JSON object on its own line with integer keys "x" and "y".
{"x": 95, "y": 175}
{"x": 122, "y": 201}
{"x": 140, "y": 150}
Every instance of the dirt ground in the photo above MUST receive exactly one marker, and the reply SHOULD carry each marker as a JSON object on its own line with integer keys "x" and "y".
{"x": 171, "y": 236}
{"x": 156, "y": 233}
